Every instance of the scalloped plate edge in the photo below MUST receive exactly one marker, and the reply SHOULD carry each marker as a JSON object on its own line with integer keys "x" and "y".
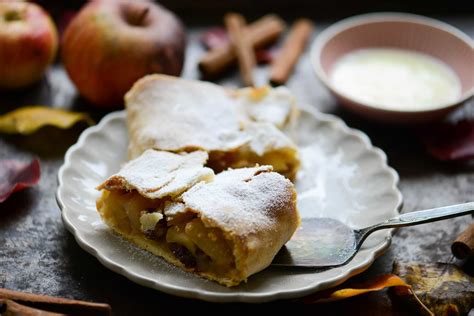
{"x": 229, "y": 297}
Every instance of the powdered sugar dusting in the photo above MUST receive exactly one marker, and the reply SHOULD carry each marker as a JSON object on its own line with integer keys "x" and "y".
{"x": 183, "y": 180}
{"x": 243, "y": 201}
{"x": 266, "y": 137}
{"x": 157, "y": 174}
{"x": 167, "y": 113}
{"x": 173, "y": 208}
{"x": 270, "y": 105}
{"x": 172, "y": 114}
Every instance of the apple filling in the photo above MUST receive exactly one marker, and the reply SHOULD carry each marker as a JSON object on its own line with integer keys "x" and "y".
{"x": 177, "y": 231}
{"x": 282, "y": 161}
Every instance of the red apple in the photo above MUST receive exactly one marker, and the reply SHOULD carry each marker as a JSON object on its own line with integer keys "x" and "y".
{"x": 111, "y": 43}
{"x": 28, "y": 43}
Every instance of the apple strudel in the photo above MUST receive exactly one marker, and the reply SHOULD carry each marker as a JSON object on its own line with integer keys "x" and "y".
{"x": 237, "y": 128}
{"x": 224, "y": 227}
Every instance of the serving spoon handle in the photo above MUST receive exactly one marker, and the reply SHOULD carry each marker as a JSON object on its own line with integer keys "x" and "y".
{"x": 416, "y": 218}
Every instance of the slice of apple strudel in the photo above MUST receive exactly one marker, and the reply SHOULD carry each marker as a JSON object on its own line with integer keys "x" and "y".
{"x": 237, "y": 128}
{"x": 224, "y": 227}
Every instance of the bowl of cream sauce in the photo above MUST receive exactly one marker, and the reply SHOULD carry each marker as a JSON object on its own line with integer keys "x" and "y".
{"x": 396, "y": 67}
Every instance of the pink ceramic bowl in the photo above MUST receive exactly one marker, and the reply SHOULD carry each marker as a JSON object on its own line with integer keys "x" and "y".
{"x": 396, "y": 30}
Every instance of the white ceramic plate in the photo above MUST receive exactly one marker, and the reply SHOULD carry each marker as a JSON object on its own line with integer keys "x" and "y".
{"x": 343, "y": 176}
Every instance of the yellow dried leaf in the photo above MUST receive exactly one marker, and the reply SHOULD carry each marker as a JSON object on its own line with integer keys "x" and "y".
{"x": 376, "y": 284}
{"x": 28, "y": 120}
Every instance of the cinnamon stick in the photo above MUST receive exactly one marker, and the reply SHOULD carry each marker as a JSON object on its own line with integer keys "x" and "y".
{"x": 53, "y": 304}
{"x": 235, "y": 24}
{"x": 261, "y": 33}
{"x": 463, "y": 246}
{"x": 293, "y": 47}
{"x": 11, "y": 308}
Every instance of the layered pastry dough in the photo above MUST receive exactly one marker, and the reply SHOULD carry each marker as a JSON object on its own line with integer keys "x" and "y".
{"x": 224, "y": 227}
{"x": 237, "y": 128}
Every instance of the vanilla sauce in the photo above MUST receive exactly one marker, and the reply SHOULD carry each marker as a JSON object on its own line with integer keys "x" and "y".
{"x": 395, "y": 79}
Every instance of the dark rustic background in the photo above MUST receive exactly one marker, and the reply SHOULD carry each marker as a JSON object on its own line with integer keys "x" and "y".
{"x": 38, "y": 254}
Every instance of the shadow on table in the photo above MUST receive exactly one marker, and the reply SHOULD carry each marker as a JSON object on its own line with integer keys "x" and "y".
{"x": 48, "y": 142}
{"x": 17, "y": 206}
{"x": 13, "y": 99}
{"x": 80, "y": 104}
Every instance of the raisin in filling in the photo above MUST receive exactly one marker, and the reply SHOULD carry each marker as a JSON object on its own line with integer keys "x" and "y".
{"x": 183, "y": 255}
{"x": 159, "y": 231}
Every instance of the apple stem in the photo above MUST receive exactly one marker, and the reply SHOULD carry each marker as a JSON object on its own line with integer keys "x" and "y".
{"x": 143, "y": 15}
{"x": 11, "y": 16}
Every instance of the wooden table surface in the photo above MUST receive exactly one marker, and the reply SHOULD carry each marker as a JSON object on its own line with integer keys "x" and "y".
{"x": 37, "y": 253}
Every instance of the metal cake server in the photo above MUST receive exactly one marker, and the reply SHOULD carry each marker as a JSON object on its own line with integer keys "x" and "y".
{"x": 326, "y": 242}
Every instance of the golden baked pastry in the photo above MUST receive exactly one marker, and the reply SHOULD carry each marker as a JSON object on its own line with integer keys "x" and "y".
{"x": 178, "y": 115}
{"x": 224, "y": 227}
